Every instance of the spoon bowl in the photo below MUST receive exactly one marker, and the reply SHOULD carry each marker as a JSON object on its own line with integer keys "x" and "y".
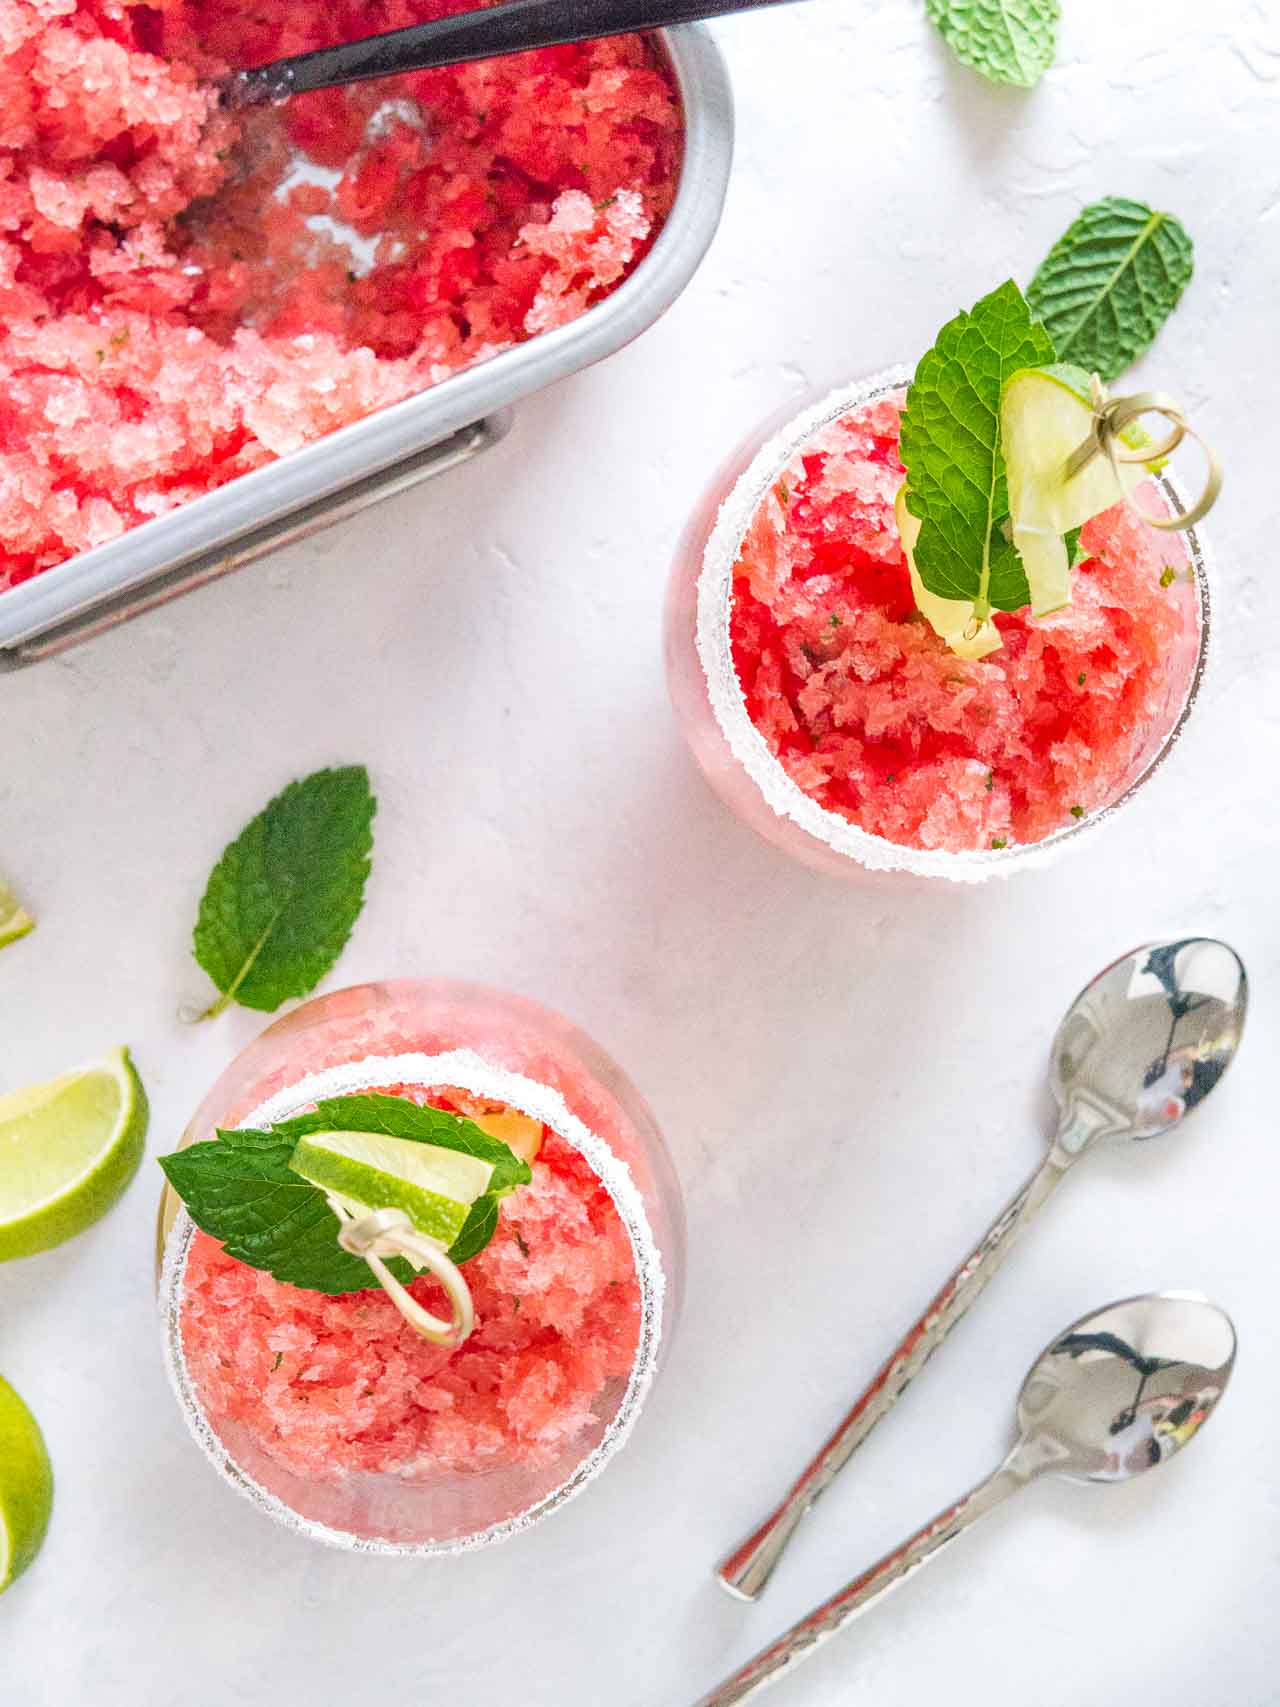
{"x": 1117, "y": 1393}
{"x": 1125, "y": 1388}
{"x": 1146, "y": 1041}
{"x": 1140, "y": 1047}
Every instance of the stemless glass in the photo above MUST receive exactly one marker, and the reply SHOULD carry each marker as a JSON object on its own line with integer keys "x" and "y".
{"x": 428, "y": 1034}
{"x": 711, "y": 708}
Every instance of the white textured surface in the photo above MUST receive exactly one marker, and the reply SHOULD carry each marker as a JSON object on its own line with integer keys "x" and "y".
{"x": 851, "y": 1080}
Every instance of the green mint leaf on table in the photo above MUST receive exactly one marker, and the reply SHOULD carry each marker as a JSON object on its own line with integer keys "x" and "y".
{"x": 1008, "y": 41}
{"x": 956, "y": 482}
{"x": 240, "y": 1188}
{"x": 282, "y": 899}
{"x": 1110, "y": 282}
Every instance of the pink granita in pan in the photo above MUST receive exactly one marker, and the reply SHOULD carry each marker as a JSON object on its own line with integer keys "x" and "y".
{"x": 184, "y": 296}
{"x": 875, "y": 718}
{"x": 327, "y": 1385}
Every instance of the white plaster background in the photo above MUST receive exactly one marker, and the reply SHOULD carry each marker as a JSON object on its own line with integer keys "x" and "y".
{"x": 851, "y": 1080}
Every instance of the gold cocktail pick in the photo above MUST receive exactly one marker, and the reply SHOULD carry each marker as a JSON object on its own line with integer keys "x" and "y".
{"x": 1111, "y": 415}
{"x": 390, "y": 1233}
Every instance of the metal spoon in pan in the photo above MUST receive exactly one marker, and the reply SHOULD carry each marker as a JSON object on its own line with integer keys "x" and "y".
{"x": 1119, "y": 1392}
{"x": 483, "y": 32}
{"x": 1140, "y": 1047}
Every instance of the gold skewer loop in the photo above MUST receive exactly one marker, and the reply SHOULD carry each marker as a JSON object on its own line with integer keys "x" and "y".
{"x": 1111, "y": 415}
{"x": 390, "y": 1233}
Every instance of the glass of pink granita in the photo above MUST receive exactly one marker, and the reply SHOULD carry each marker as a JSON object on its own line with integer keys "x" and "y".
{"x": 829, "y": 716}
{"x": 329, "y": 1412}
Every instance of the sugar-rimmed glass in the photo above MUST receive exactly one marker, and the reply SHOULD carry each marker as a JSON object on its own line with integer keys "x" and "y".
{"x": 732, "y": 753}
{"x": 429, "y": 1034}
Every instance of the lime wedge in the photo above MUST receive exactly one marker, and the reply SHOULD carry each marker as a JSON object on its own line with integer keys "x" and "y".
{"x": 368, "y": 1170}
{"x": 68, "y": 1148}
{"x": 15, "y": 920}
{"x": 1045, "y": 413}
{"x": 950, "y": 619}
{"x": 26, "y": 1487}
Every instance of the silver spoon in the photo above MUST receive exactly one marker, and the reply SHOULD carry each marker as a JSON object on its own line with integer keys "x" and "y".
{"x": 487, "y": 32}
{"x": 1118, "y": 1393}
{"x": 1140, "y": 1047}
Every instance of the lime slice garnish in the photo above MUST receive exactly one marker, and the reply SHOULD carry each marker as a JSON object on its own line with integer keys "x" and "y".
{"x": 951, "y": 619}
{"x": 435, "y": 1187}
{"x": 68, "y": 1148}
{"x": 1045, "y": 414}
{"x": 26, "y": 1486}
{"x": 15, "y": 920}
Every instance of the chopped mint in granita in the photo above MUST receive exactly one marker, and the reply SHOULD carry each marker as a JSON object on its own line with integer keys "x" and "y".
{"x": 1006, "y": 754}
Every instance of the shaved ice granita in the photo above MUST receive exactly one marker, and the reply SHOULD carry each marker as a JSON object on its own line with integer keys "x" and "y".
{"x": 186, "y": 294}
{"x": 862, "y": 720}
{"x": 455, "y": 1400}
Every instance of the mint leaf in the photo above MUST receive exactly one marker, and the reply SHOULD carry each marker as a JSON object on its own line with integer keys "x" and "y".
{"x": 477, "y": 1229}
{"x": 282, "y": 899}
{"x": 239, "y": 1188}
{"x": 1110, "y": 282}
{"x": 1008, "y": 41}
{"x": 951, "y": 450}
{"x": 1076, "y": 553}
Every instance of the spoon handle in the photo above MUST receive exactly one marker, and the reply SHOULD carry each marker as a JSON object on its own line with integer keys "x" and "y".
{"x": 487, "y": 32}
{"x": 802, "y": 1638}
{"x": 746, "y": 1571}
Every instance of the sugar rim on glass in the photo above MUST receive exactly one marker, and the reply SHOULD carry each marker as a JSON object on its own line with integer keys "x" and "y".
{"x": 468, "y": 1071}
{"x": 728, "y": 702}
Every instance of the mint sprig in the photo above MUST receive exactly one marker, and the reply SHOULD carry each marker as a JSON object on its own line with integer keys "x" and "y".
{"x": 1008, "y": 41}
{"x": 1110, "y": 282}
{"x": 239, "y": 1188}
{"x": 281, "y": 901}
{"x": 951, "y": 451}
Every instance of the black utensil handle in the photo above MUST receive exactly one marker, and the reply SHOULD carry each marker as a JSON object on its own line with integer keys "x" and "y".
{"x": 486, "y": 33}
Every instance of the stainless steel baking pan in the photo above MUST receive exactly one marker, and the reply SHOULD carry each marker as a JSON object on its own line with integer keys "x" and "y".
{"x": 399, "y": 446}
